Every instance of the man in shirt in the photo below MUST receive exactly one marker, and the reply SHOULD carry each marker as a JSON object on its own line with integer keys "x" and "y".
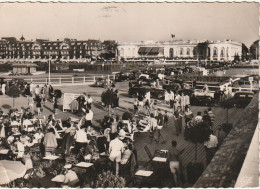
{"x": 38, "y": 136}
{"x": 89, "y": 102}
{"x": 160, "y": 123}
{"x": 116, "y": 148}
{"x": 211, "y": 146}
{"x": 153, "y": 127}
{"x": 81, "y": 140}
{"x": 212, "y": 117}
{"x": 198, "y": 118}
{"x": 174, "y": 158}
{"x": 88, "y": 118}
{"x": 171, "y": 99}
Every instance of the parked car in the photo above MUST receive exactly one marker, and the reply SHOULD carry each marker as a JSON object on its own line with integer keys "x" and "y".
{"x": 142, "y": 89}
{"x": 242, "y": 98}
{"x": 121, "y": 77}
{"x": 100, "y": 82}
{"x": 201, "y": 98}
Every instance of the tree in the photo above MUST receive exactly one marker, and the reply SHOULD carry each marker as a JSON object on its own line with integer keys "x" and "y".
{"x": 199, "y": 133}
{"x": 227, "y": 103}
{"x": 107, "y": 98}
{"x": 200, "y": 51}
{"x": 14, "y": 92}
{"x": 254, "y": 50}
{"x": 236, "y": 58}
{"x": 244, "y": 56}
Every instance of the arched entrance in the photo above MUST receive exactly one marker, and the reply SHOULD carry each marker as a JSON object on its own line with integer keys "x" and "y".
{"x": 171, "y": 52}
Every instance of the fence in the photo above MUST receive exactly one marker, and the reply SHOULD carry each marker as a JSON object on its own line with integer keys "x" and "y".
{"x": 75, "y": 80}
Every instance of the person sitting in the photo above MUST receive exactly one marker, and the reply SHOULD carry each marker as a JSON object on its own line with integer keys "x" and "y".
{"x": 71, "y": 179}
{"x": 198, "y": 118}
{"x": 126, "y": 154}
{"x": 50, "y": 142}
{"x": 68, "y": 140}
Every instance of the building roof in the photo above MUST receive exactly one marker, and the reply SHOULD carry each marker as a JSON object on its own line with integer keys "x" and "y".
{"x": 24, "y": 65}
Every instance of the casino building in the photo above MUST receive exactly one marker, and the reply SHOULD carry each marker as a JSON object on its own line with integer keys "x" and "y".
{"x": 178, "y": 49}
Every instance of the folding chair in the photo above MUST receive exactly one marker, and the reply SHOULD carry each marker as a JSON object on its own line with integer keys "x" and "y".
{"x": 149, "y": 155}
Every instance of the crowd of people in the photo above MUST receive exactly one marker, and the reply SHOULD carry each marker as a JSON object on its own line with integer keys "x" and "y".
{"x": 23, "y": 130}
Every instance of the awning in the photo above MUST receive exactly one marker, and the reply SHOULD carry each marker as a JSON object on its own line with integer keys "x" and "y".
{"x": 150, "y": 50}
{"x": 141, "y": 50}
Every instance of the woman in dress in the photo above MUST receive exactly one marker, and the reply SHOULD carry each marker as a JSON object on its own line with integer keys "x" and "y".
{"x": 50, "y": 141}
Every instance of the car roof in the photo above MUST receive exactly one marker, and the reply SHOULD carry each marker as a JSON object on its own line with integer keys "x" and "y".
{"x": 244, "y": 92}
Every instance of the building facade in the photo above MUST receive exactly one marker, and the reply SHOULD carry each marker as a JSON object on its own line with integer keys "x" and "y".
{"x": 178, "y": 49}
{"x": 40, "y": 49}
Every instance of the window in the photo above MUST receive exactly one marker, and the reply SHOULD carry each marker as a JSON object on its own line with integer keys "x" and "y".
{"x": 188, "y": 51}
{"x": 222, "y": 52}
{"x": 181, "y": 51}
{"x": 208, "y": 53}
{"x": 227, "y": 52}
{"x": 121, "y": 52}
{"x": 215, "y": 51}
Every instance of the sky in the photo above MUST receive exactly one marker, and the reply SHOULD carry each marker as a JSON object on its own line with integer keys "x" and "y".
{"x": 126, "y": 22}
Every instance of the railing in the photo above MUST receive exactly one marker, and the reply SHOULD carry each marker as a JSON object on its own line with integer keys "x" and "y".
{"x": 78, "y": 80}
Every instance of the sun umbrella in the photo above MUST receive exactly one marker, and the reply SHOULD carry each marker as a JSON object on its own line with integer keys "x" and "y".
{"x": 11, "y": 170}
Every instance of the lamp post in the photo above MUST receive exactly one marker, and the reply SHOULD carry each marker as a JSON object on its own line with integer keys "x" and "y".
{"x": 49, "y": 69}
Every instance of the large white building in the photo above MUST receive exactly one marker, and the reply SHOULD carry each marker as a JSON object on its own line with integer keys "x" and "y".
{"x": 179, "y": 49}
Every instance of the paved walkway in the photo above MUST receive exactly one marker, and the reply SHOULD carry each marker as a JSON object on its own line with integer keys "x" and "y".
{"x": 126, "y": 104}
{"x": 227, "y": 162}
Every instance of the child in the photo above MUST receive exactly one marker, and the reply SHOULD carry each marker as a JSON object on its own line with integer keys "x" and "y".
{"x": 166, "y": 119}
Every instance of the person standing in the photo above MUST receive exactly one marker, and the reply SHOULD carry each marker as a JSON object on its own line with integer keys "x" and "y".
{"x": 171, "y": 99}
{"x": 212, "y": 117}
{"x": 88, "y": 118}
{"x": 160, "y": 127}
{"x": 55, "y": 105}
{"x": 37, "y": 90}
{"x": 166, "y": 97}
{"x": 81, "y": 140}
{"x": 3, "y": 88}
{"x": 116, "y": 148}
{"x": 174, "y": 162}
{"x": 89, "y": 102}
{"x": 211, "y": 146}
{"x": 177, "y": 122}
{"x": 153, "y": 127}
{"x": 43, "y": 91}
{"x": 38, "y": 104}
{"x": 31, "y": 88}
{"x": 31, "y": 103}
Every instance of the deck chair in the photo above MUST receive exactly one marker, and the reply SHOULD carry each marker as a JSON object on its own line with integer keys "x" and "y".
{"x": 149, "y": 155}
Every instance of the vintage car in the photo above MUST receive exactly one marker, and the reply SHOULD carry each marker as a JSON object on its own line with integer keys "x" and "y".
{"x": 121, "y": 77}
{"x": 142, "y": 89}
{"x": 202, "y": 98}
{"x": 242, "y": 98}
{"x": 101, "y": 82}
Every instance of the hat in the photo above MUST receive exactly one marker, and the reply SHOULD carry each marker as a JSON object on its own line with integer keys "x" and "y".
{"x": 121, "y": 135}
{"x": 68, "y": 166}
